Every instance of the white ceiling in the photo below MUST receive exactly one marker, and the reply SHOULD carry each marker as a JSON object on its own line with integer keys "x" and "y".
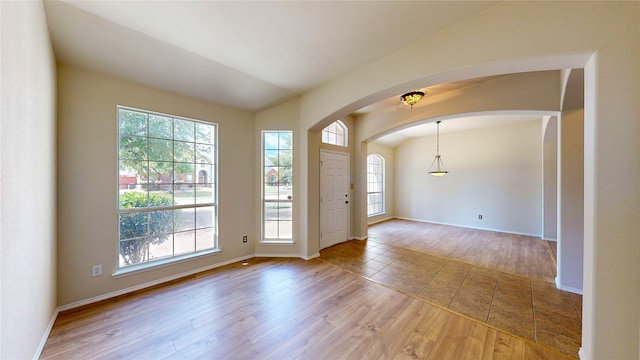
{"x": 244, "y": 54}
{"x": 453, "y": 125}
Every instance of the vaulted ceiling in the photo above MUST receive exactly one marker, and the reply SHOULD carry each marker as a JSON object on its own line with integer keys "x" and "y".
{"x": 243, "y": 54}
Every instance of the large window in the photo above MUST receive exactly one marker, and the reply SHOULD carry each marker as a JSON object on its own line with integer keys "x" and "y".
{"x": 277, "y": 185}
{"x": 167, "y": 187}
{"x": 335, "y": 134}
{"x": 375, "y": 185}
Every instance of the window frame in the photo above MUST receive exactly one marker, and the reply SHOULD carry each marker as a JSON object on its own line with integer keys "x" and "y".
{"x": 263, "y": 193}
{"x": 212, "y": 179}
{"x": 381, "y": 175}
{"x": 328, "y": 131}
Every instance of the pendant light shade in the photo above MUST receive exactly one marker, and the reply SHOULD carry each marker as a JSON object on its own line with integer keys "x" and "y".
{"x": 437, "y": 166}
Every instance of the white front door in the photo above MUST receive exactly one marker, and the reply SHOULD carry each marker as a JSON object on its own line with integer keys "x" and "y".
{"x": 334, "y": 198}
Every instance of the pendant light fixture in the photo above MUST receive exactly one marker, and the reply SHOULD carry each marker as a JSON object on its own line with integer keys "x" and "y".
{"x": 437, "y": 167}
{"x": 412, "y": 98}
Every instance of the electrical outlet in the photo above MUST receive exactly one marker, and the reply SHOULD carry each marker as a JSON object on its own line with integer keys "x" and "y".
{"x": 245, "y": 239}
{"x": 480, "y": 217}
{"x": 96, "y": 270}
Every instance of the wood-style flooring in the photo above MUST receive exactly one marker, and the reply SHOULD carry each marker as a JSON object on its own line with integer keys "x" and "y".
{"x": 277, "y": 308}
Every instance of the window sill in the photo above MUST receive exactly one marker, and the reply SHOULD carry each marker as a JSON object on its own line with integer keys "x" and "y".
{"x": 152, "y": 265}
{"x": 277, "y": 242}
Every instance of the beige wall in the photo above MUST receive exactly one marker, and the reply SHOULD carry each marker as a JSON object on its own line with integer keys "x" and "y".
{"x": 87, "y": 185}
{"x": 27, "y": 180}
{"x": 530, "y": 36}
{"x": 495, "y": 172}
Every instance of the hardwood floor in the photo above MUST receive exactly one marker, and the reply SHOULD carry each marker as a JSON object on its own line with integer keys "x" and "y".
{"x": 275, "y": 308}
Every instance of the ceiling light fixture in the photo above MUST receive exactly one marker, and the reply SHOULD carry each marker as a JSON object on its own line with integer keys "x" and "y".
{"x": 412, "y": 98}
{"x": 438, "y": 169}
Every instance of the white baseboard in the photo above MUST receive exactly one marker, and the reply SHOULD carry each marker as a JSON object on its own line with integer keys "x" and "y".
{"x": 550, "y": 239}
{"x": 470, "y": 227}
{"x": 581, "y": 354}
{"x": 359, "y": 238}
{"x": 46, "y": 334}
{"x": 148, "y": 284}
{"x": 568, "y": 288}
{"x": 311, "y": 256}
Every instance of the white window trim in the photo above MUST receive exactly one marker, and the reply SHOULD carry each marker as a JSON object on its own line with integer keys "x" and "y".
{"x": 382, "y": 185}
{"x": 273, "y": 241}
{"x": 165, "y": 261}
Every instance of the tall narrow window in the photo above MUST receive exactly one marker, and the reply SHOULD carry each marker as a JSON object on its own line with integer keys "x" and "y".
{"x": 335, "y": 134}
{"x": 167, "y": 187}
{"x": 277, "y": 185}
{"x": 375, "y": 185}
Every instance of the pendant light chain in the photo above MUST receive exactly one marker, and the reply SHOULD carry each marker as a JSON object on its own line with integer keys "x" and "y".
{"x": 438, "y": 138}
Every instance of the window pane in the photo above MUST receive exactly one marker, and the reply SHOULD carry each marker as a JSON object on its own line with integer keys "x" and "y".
{"x": 184, "y": 242}
{"x": 271, "y": 140}
{"x": 161, "y": 250}
{"x": 133, "y": 147}
{"x": 133, "y": 251}
{"x": 184, "y": 219}
{"x": 160, "y": 150}
{"x": 284, "y": 211}
{"x": 183, "y": 130}
{"x": 271, "y": 229}
{"x": 184, "y": 151}
{"x": 271, "y": 211}
{"x": 183, "y": 175}
{"x": 204, "y": 217}
{"x": 205, "y": 134}
{"x": 133, "y": 225}
{"x": 160, "y": 172}
{"x": 204, "y": 194}
{"x": 285, "y": 230}
{"x": 132, "y": 123}
{"x": 270, "y": 158}
{"x": 204, "y": 154}
{"x": 160, "y": 127}
{"x": 185, "y": 196}
{"x": 160, "y": 224}
{"x": 285, "y": 140}
{"x": 204, "y": 239}
{"x": 138, "y": 169}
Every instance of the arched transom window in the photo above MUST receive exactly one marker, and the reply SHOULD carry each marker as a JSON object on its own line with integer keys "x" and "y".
{"x": 335, "y": 134}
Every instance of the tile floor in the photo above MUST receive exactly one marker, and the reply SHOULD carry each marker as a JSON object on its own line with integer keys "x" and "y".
{"x": 532, "y": 309}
